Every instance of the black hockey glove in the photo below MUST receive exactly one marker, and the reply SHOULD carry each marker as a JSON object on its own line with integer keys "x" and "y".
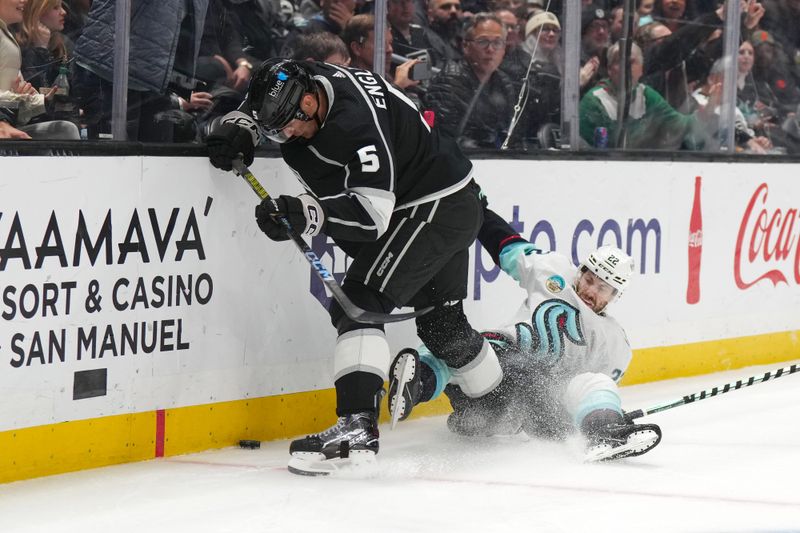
{"x": 268, "y": 211}
{"x": 225, "y": 144}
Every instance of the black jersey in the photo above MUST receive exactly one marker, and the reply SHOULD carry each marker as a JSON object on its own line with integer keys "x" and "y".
{"x": 374, "y": 154}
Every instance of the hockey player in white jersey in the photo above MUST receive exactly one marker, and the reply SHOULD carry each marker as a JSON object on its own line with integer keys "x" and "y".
{"x": 562, "y": 354}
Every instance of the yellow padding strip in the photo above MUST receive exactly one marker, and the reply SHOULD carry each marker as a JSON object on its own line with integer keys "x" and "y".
{"x": 655, "y": 364}
{"x": 69, "y": 446}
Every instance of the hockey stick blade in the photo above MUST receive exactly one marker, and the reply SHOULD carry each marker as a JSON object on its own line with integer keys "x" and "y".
{"x": 715, "y": 391}
{"x": 350, "y": 309}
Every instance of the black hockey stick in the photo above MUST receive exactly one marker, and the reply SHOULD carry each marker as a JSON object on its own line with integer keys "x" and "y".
{"x": 702, "y": 395}
{"x": 350, "y": 309}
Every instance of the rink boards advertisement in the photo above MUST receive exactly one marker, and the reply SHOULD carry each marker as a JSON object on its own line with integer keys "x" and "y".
{"x": 139, "y": 291}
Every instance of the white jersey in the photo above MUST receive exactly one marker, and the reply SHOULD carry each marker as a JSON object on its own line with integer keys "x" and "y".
{"x": 555, "y": 332}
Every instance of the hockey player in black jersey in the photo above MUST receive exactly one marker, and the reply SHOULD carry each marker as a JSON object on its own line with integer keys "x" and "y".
{"x": 397, "y": 198}
{"x": 561, "y": 354}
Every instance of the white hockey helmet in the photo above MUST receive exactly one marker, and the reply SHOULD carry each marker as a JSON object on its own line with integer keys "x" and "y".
{"x": 611, "y": 265}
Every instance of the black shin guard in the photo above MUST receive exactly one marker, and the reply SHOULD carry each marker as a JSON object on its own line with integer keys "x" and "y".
{"x": 357, "y": 391}
{"x": 448, "y": 334}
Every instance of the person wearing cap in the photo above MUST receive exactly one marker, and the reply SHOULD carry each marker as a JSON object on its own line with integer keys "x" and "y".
{"x": 542, "y": 35}
{"x": 517, "y": 58}
{"x": 595, "y": 37}
{"x": 595, "y": 31}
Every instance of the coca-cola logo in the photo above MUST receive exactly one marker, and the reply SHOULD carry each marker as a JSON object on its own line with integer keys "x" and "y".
{"x": 765, "y": 243}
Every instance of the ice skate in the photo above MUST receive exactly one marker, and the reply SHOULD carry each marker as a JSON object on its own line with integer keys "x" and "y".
{"x": 405, "y": 384}
{"x": 350, "y": 444}
{"x": 616, "y": 441}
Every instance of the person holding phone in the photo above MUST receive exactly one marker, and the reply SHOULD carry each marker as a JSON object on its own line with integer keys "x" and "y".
{"x": 359, "y": 36}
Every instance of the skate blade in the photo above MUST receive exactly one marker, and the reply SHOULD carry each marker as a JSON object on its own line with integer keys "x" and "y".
{"x": 358, "y": 465}
{"x": 637, "y": 444}
{"x": 406, "y": 375}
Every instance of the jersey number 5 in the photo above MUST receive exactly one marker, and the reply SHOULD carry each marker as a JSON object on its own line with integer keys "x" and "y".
{"x": 369, "y": 159}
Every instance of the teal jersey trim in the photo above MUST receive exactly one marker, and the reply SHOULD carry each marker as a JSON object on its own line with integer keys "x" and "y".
{"x": 439, "y": 367}
{"x": 509, "y": 255}
{"x": 599, "y": 399}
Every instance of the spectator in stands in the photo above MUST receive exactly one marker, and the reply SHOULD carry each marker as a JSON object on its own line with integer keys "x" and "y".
{"x": 744, "y": 137}
{"x": 595, "y": 31}
{"x": 333, "y": 16}
{"x": 322, "y": 46}
{"x": 595, "y": 38}
{"x": 760, "y": 117}
{"x": 19, "y": 100}
{"x": 665, "y": 54}
{"x": 543, "y": 105}
{"x": 308, "y": 8}
{"x": 515, "y": 28}
{"x": 43, "y": 46}
{"x": 472, "y": 100}
{"x": 445, "y": 31}
{"x": 164, "y": 45}
{"x": 516, "y": 59}
{"x": 773, "y": 75}
{"x": 359, "y": 37}
{"x": 408, "y": 36}
{"x": 262, "y": 24}
{"x": 782, "y": 21}
{"x": 671, "y": 13}
{"x": 420, "y": 13}
{"x": 676, "y": 62}
{"x": 77, "y": 12}
{"x": 617, "y": 20}
{"x": 222, "y": 59}
{"x": 651, "y": 122}
{"x": 645, "y": 12}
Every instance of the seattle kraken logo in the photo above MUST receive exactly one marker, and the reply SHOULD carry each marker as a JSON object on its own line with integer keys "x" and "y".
{"x": 554, "y": 323}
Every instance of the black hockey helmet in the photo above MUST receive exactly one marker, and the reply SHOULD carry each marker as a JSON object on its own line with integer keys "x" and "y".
{"x": 275, "y": 92}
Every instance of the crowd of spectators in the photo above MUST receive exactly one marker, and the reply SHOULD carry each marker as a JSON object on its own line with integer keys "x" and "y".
{"x": 487, "y": 72}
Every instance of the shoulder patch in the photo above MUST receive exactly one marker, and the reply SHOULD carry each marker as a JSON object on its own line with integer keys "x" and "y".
{"x": 555, "y": 284}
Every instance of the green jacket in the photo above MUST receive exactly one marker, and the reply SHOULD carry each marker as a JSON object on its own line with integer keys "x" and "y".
{"x": 652, "y": 123}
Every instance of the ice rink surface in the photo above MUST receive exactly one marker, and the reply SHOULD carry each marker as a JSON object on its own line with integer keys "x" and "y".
{"x": 725, "y": 464}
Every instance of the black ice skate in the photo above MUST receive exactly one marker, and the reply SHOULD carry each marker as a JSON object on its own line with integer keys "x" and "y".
{"x": 616, "y": 441}
{"x": 351, "y": 442}
{"x": 405, "y": 384}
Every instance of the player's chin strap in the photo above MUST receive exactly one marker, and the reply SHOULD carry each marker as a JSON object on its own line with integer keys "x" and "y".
{"x": 350, "y": 309}
{"x": 708, "y": 393}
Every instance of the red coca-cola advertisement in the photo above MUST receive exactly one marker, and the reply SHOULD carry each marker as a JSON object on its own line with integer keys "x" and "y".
{"x": 695, "y": 246}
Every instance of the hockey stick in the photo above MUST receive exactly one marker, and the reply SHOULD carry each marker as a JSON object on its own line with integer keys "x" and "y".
{"x": 702, "y": 395}
{"x": 350, "y": 309}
